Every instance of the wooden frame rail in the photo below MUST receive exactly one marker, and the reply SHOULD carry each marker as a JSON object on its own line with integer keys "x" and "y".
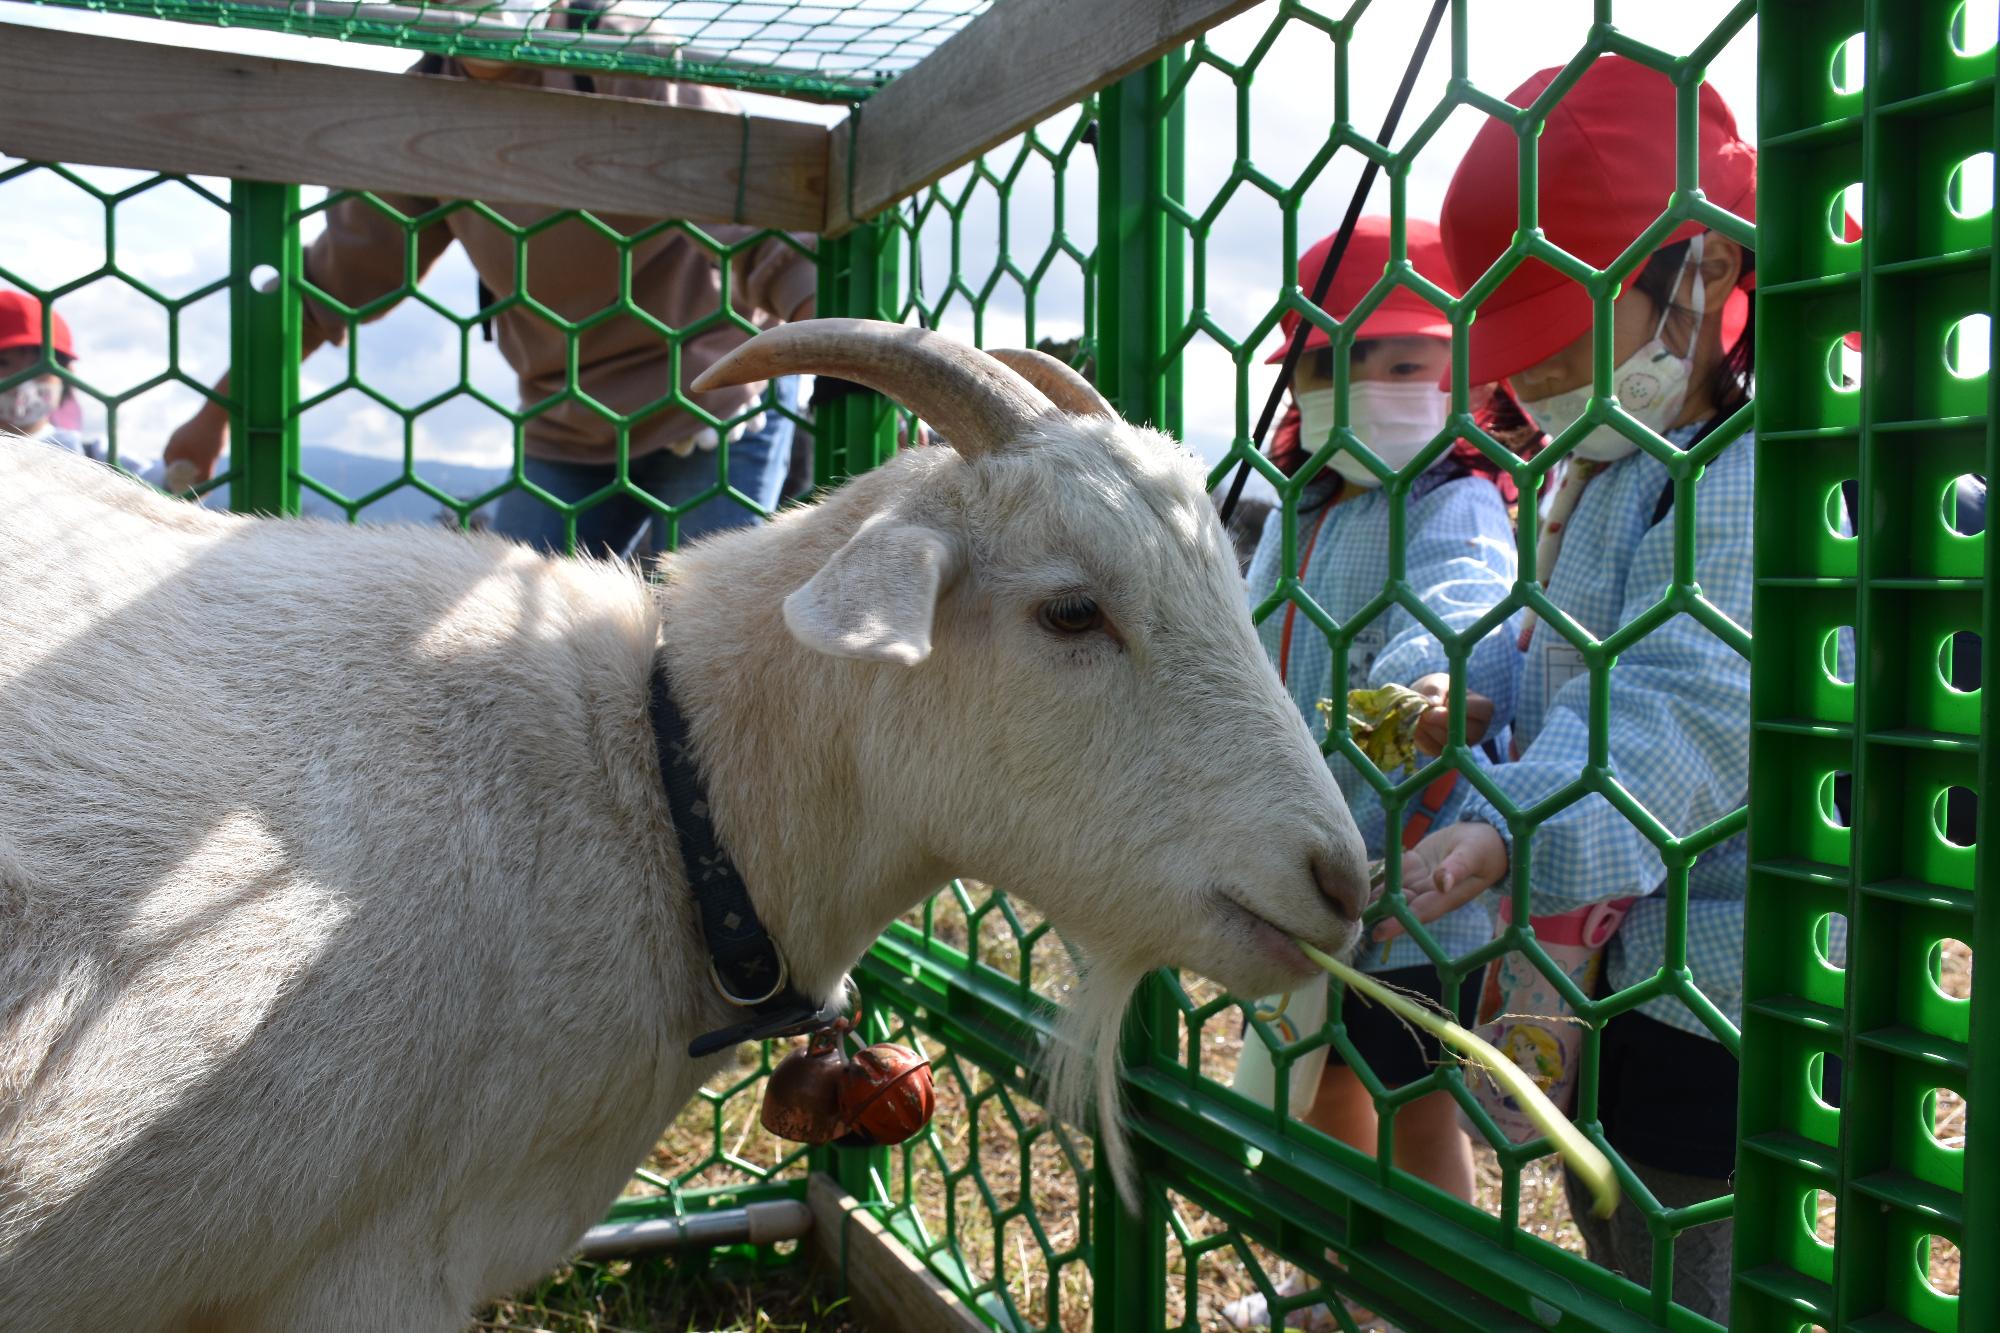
{"x": 102, "y": 101}
{"x": 1020, "y": 61}
{"x": 889, "y": 1286}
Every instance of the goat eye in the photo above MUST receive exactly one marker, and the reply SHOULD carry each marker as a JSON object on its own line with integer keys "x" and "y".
{"x": 1074, "y": 614}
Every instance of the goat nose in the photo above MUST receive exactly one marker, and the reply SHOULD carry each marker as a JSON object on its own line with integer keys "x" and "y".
{"x": 1345, "y": 891}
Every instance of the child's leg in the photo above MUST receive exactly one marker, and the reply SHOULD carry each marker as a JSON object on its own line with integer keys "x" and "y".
{"x": 1343, "y": 1109}
{"x": 1621, "y": 1243}
{"x": 1429, "y": 1143}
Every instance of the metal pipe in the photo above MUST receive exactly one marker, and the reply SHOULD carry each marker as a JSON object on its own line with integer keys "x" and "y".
{"x": 756, "y": 1224}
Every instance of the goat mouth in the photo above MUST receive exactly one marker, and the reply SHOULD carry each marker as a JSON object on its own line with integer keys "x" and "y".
{"x": 1272, "y": 941}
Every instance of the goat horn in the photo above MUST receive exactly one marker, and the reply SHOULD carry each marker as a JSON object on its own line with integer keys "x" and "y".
{"x": 972, "y": 400}
{"x": 1059, "y": 382}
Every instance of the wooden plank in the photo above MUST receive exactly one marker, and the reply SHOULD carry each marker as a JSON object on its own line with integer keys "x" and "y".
{"x": 890, "y": 1288}
{"x": 74, "y": 97}
{"x": 1020, "y": 61}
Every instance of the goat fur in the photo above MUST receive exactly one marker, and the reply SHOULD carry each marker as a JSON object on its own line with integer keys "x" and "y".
{"x": 346, "y": 960}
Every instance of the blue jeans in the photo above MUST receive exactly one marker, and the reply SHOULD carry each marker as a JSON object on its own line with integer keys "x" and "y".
{"x": 622, "y": 526}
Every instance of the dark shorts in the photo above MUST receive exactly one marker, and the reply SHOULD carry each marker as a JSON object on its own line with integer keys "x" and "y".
{"x": 1395, "y": 1051}
{"x": 1667, "y": 1097}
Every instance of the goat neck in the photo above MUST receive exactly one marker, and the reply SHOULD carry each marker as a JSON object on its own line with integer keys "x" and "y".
{"x": 775, "y": 729}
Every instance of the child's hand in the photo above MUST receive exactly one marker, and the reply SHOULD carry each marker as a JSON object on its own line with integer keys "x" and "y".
{"x": 1433, "y": 728}
{"x": 1448, "y": 870}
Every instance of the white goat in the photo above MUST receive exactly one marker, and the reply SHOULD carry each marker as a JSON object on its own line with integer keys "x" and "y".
{"x": 347, "y": 963}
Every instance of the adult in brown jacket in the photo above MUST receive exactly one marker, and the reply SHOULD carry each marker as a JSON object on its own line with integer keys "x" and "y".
{"x": 624, "y": 366}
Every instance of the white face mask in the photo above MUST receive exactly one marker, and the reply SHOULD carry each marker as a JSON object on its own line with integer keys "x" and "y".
{"x": 1395, "y": 419}
{"x": 1651, "y": 384}
{"x": 28, "y": 404}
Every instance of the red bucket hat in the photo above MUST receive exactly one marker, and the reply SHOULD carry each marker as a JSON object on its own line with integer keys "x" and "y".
{"x": 21, "y": 325}
{"x": 1402, "y": 313}
{"x": 1606, "y": 171}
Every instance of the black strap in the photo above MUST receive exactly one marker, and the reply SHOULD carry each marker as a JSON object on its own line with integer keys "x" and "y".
{"x": 1663, "y": 505}
{"x": 583, "y": 16}
{"x": 749, "y": 971}
{"x": 575, "y": 16}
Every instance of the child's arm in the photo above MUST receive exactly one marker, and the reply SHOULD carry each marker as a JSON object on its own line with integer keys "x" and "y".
{"x": 1461, "y": 563}
{"x": 1678, "y": 740}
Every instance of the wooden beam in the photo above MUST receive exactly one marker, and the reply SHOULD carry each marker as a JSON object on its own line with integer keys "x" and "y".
{"x": 1006, "y": 70}
{"x": 890, "y": 1288}
{"x": 74, "y": 97}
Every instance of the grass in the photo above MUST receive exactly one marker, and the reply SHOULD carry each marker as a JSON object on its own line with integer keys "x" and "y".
{"x": 946, "y": 1179}
{"x": 658, "y": 1297}
{"x": 993, "y": 1161}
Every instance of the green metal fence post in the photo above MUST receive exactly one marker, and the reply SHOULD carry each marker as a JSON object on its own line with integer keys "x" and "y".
{"x": 1139, "y": 263}
{"x": 264, "y": 348}
{"x": 1139, "y": 251}
{"x": 859, "y": 278}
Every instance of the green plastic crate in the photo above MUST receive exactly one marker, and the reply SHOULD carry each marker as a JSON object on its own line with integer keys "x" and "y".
{"x": 1892, "y": 98}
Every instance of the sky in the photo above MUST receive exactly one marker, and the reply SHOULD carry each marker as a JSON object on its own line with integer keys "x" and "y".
{"x": 175, "y": 241}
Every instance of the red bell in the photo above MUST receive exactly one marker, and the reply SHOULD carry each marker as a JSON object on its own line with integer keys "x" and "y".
{"x": 886, "y": 1094}
{"x": 802, "y": 1097}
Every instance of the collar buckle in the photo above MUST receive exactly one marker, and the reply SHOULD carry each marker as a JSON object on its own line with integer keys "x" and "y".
{"x": 750, "y": 1002}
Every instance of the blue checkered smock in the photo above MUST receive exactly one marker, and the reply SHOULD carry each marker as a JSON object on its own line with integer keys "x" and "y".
{"x": 1679, "y": 724}
{"x": 1461, "y": 564}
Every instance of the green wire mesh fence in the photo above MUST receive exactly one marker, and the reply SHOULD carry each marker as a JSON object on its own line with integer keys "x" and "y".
{"x": 825, "y": 52}
{"x": 1115, "y": 235}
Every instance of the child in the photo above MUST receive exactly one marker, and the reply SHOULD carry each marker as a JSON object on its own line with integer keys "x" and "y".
{"x": 31, "y": 405}
{"x": 1460, "y": 560}
{"x": 1679, "y": 715}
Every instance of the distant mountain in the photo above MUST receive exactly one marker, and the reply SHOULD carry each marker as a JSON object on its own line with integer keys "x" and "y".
{"x": 355, "y": 475}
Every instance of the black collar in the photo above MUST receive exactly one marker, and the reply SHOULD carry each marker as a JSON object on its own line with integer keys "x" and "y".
{"x": 743, "y": 962}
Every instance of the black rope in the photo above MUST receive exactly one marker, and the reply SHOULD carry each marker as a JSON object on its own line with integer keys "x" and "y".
{"x": 576, "y": 16}
{"x": 1296, "y": 348}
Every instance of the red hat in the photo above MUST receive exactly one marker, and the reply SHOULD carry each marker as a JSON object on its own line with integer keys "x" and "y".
{"x": 21, "y": 325}
{"x": 1402, "y": 313}
{"x": 1606, "y": 171}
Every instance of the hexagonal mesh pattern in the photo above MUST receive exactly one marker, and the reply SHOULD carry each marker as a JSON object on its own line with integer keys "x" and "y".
{"x": 86, "y": 243}
{"x": 1162, "y": 261}
{"x": 460, "y": 384}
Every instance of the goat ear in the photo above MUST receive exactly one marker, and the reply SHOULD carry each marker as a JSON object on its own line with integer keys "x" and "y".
{"x": 876, "y": 598}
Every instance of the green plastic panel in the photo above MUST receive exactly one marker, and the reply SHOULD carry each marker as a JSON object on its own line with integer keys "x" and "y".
{"x": 1875, "y": 1200}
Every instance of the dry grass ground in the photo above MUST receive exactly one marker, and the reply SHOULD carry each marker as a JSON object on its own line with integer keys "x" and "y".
{"x": 654, "y": 1297}
{"x": 992, "y": 1162}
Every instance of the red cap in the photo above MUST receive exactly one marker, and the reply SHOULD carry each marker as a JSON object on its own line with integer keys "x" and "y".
{"x": 21, "y": 324}
{"x": 1606, "y": 171}
{"x": 1402, "y": 313}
